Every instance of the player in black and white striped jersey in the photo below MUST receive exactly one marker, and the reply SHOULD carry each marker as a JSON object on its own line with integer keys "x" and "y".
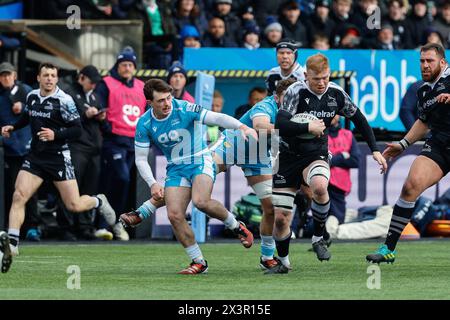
{"x": 288, "y": 67}
{"x": 54, "y": 119}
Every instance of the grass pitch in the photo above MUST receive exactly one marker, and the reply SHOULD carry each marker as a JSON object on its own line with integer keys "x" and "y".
{"x": 149, "y": 271}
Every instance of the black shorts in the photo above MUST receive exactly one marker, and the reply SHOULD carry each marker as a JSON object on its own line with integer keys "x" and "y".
{"x": 437, "y": 153}
{"x": 291, "y": 166}
{"x": 50, "y": 167}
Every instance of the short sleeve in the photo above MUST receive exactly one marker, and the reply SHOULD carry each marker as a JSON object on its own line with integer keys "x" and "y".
{"x": 142, "y": 139}
{"x": 194, "y": 111}
{"x": 260, "y": 110}
{"x": 69, "y": 111}
{"x": 347, "y": 108}
{"x": 291, "y": 99}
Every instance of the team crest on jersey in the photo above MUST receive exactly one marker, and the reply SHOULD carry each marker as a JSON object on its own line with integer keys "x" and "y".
{"x": 332, "y": 101}
{"x": 440, "y": 87}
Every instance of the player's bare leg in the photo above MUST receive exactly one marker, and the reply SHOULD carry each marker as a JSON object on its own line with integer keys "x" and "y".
{"x": 70, "y": 195}
{"x": 262, "y": 186}
{"x": 283, "y": 199}
{"x": 423, "y": 174}
{"x": 177, "y": 201}
{"x": 201, "y": 197}
{"x": 26, "y": 185}
{"x": 317, "y": 175}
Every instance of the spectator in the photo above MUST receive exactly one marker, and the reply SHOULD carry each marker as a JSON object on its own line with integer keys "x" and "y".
{"x": 159, "y": 31}
{"x": 8, "y": 43}
{"x": 188, "y": 13}
{"x": 215, "y": 36}
{"x": 417, "y": 22}
{"x": 433, "y": 36}
{"x": 12, "y": 101}
{"x": 265, "y": 10}
{"x": 247, "y": 14}
{"x": 251, "y": 37}
{"x": 320, "y": 42}
{"x": 320, "y": 21}
{"x": 190, "y": 37}
{"x": 232, "y": 23}
{"x": 273, "y": 34}
{"x": 122, "y": 96}
{"x": 256, "y": 94}
{"x": 346, "y": 155}
{"x": 213, "y": 132}
{"x": 396, "y": 18}
{"x": 408, "y": 107}
{"x": 177, "y": 78}
{"x": 340, "y": 15}
{"x": 350, "y": 38}
{"x": 385, "y": 39}
{"x": 442, "y": 23}
{"x": 293, "y": 28}
{"x": 107, "y": 9}
{"x": 361, "y": 18}
{"x": 85, "y": 150}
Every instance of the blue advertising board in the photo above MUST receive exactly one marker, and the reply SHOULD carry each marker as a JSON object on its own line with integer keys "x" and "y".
{"x": 382, "y": 77}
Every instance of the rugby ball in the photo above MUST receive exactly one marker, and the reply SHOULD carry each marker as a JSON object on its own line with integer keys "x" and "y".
{"x": 304, "y": 118}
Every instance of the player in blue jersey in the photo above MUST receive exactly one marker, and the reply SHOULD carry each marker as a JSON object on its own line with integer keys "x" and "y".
{"x": 255, "y": 161}
{"x": 175, "y": 127}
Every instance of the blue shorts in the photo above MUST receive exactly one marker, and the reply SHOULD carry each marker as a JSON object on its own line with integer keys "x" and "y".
{"x": 234, "y": 151}
{"x": 182, "y": 175}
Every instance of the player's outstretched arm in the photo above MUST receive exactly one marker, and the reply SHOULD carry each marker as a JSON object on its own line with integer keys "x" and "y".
{"x": 417, "y": 131}
{"x": 227, "y": 122}
{"x": 360, "y": 122}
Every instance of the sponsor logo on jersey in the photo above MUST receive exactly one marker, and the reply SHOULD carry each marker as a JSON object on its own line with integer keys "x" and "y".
{"x": 40, "y": 114}
{"x": 322, "y": 114}
{"x": 307, "y": 100}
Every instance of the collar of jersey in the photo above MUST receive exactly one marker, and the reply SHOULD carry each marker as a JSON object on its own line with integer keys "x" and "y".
{"x": 446, "y": 70}
{"x": 41, "y": 98}
{"x": 163, "y": 119}
{"x": 290, "y": 74}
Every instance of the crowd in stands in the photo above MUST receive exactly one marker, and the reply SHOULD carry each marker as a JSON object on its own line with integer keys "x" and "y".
{"x": 171, "y": 25}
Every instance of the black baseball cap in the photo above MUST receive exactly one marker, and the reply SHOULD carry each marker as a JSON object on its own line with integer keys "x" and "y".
{"x": 92, "y": 73}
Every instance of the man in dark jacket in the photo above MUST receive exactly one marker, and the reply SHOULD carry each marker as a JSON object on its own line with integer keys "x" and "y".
{"x": 233, "y": 27}
{"x": 292, "y": 26}
{"x": 320, "y": 21}
{"x": 85, "y": 150}
{"x": 215, "y": 36}
{"x": 417, "y": 23}
{"x": 13, "y": 96}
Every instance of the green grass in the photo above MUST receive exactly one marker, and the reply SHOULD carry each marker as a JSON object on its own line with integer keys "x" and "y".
{"x": 148, "y": 271}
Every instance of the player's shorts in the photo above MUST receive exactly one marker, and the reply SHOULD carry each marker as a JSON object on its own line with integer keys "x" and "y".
{"x": 438, "y": 154}
{"x": 50, "y": 166}
{"x": 252, "y": 160}
{"x": 290, "y": 169}
{"x": 182, "y": 175}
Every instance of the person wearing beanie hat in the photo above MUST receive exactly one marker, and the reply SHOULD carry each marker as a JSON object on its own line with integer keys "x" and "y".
{"x": 293, "y": 26}
{"x": 251, "y": 36}
{"x": 272, "y": 35}
{"x": 177, "y": 78}
{"x": 122, "y": 96}
{"x": 288, "y": 67}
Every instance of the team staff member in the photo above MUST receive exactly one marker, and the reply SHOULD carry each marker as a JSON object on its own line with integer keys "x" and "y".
{"x": 123, "y": 96}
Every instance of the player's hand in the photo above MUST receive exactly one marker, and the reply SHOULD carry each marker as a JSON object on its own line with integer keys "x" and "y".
{"x": 248, "y": 132}
{"x": 46, "y": 134}
{"x": 101, "y": 115}
{"x": 392, "y": 150}
{"x": 381, "y": 161}
{"x": 157, "y": 192}
{"x": 17, "y": 107}
{"x": 6, "y": 131}
{"x": 444, "y": 98}
{"x": 316, "y": 127}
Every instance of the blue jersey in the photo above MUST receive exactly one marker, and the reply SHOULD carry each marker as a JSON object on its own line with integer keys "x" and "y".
{"x": 179, "y": 136}
{"x": 253, "y": 157}
{"x": 267, "y": 107}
